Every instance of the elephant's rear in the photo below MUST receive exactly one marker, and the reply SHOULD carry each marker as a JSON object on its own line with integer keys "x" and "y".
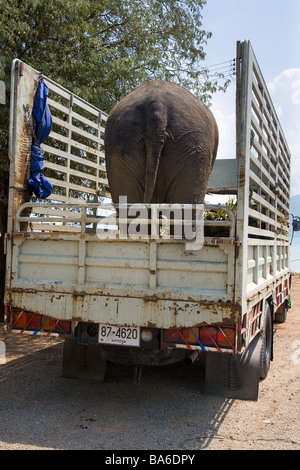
{"x": 160, "y": 139}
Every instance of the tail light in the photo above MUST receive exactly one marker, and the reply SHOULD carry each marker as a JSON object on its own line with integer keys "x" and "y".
{"x": 226, "y": 337}
{"x": 186, "y": 335}
{"x": 208, "y": 335}
{"x": 222, "y": 337}
{"x": 211, "y": 336}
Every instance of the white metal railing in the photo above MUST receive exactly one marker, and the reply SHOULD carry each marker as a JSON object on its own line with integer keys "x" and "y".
{"x": 85, "y": 217}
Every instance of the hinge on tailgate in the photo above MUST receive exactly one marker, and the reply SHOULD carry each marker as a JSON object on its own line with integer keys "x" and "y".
{"x": 228, "y": 241}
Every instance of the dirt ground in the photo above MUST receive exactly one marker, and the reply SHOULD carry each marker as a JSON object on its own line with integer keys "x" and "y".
{"x": 168, "y": 410}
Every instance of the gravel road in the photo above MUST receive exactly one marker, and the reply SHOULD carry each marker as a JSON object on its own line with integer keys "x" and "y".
{"x": 168, "y": 410}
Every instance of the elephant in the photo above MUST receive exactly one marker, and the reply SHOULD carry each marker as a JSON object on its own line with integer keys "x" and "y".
{"x": 160, "y": 145}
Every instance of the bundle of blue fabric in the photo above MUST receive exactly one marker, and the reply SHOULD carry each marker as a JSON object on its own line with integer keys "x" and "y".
{"x": 38, "y": 184}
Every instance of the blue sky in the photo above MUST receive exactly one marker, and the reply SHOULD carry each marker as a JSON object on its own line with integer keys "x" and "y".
{"x": 271, "y": 25}
{"x": 273, "y": 28}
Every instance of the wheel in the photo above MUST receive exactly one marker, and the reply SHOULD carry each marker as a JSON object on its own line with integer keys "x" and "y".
{"x": 280, "y": 317}
{"x": 81, "y": 361}
{"x": 266, "y": 343}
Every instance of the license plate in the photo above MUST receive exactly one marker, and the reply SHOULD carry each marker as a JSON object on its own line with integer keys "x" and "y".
{"x": 119, "y": 335}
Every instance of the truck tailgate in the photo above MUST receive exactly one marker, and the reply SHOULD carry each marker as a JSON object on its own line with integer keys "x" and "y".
{"x": 126, "y": 282}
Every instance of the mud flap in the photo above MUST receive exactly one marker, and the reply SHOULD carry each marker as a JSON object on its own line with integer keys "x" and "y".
{"x": 82, "y": 361}
{"x": 233, "y": 375}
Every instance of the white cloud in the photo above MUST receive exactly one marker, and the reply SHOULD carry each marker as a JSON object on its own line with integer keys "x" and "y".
{"x": 226, "y": 125}
{"x": 285, "y": 94}
{"x": 223, "y": 108}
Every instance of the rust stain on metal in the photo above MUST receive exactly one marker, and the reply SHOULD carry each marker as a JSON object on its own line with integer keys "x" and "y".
{"x": 150, "y": 298}
{"x": 79, "y": 294}
{"x": 24, "y": 95}
{"x": 242, "y": 176}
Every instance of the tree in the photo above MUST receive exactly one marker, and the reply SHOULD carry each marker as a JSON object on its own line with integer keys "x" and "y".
{"x": 102, "y": 49}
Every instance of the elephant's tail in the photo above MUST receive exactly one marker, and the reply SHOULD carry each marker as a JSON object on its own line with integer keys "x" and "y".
{"x": 154, "y": 142}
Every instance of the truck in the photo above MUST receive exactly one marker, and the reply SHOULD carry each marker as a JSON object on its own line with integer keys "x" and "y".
{"x": 151, "y": 300}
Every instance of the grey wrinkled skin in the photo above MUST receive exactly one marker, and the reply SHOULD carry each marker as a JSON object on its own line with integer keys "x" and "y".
{"x": 160, "y": 145}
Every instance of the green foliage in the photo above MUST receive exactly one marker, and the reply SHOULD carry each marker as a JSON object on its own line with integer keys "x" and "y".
{"x": 222, "y": 214}
{"x": 101, "y": 50}
{"x": 219, "y": 214}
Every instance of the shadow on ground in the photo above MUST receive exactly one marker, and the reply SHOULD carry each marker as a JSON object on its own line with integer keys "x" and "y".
{"x": 40, "y": 409}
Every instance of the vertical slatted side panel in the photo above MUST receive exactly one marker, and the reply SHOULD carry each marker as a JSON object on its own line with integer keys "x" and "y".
{"x": 269, "y": 165}
{"x": 264, "y": 185}
{"x": 74, "y": 150}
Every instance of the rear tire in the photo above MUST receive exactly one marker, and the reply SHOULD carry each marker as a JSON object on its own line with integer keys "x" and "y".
{"x": 83, "y": 361}
{"x": 280, "y": 317}
{"x": 266, "y": 343}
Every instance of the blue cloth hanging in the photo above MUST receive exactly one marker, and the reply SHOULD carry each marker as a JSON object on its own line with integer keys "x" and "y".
{"x": 41, "y": 113}
{"x": 37, "y": 159}
{"x": 38, "y": 184}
